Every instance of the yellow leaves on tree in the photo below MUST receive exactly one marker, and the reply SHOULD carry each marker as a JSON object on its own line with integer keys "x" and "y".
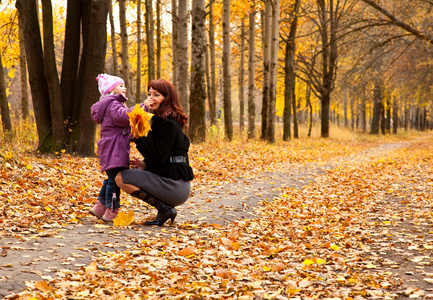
{"x": 139, "y": 121}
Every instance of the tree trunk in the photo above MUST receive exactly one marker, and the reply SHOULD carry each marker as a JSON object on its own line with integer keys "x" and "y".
{"x": 150, "y": 40}
{"x": 139, "y": 57}
{"x": 197, "y": 100}
{"x": 377, "y": 99}
{"x": 363, "y": 111}
{"x": 289, "y": 81}
{"x": 124, "y": 47}
{"x": 251, "y": 74}
{"x": 275, "y": 27}
{"x": 213, "y": 85}
{"x": 242, "y": 79}
{"x": 36, "y": 69}
{"x": 24, "y": 78}
{"x": 388, "y": 117}
{"x": 91, "y": 16}
{"x": 4, "y": 106}
{"x": 325, "y": 104}
{"x": 71, "y": 58}
{"x": 308, "y": 96}
{"x": 113, "y": 41}
{"x": 182, "y": 50}
{"x": 328, "y": 19}
{"x": 352, "y": 111}
{"x": 52, "y": 78}
{"x": 289, "y": 74}
{"x": 395, "y": 116}
{"x": 210, "y": 101}
{"x": 92, "y": 63}
{"x": 158, "y": 38}
{"x": 345, "y": 117}
{"x": 295, "y": 113}
{"x": 174, "y": 42}
{"x": 266, "y": 23}
{"x": 382, "y": 119}
{"x": 228, "y": 120}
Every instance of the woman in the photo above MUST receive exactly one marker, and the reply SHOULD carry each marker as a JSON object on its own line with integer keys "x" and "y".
{"x": 163, "y": 178}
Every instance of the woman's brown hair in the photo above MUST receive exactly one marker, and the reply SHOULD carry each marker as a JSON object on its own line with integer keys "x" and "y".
{"x": 170, "y": 107}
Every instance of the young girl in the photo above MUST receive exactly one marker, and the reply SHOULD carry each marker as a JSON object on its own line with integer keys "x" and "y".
{"x": 114, "y": 145}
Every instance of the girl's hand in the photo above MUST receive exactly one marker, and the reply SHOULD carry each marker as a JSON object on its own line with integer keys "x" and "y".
{"x": 137, "y": 164}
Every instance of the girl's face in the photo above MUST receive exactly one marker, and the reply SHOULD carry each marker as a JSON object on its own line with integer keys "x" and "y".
{"x": 154, "y": 99}
{"x": 119, "y": 89}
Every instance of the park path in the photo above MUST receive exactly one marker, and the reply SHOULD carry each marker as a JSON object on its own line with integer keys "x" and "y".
{"x": 41, "y": 256}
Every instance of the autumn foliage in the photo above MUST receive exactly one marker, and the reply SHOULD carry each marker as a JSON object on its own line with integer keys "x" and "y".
{"x": 139, "y": 121}
{"x": 309, "y": 242}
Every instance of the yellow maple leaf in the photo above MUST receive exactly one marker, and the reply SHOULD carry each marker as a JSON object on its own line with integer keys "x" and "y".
{"x": 123, "y": 219}
{"x": 308, "y": 262}
{"x": 139, "y": 121}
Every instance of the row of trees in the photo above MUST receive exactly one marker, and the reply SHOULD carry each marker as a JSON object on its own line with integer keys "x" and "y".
{"x": 335, "y": 57}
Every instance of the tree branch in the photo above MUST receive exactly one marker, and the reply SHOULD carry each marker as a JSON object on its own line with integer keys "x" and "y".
{"x": 398, "y": 22}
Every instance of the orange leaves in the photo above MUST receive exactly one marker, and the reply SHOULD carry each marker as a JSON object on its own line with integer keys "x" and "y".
{"x": 139, "y": 121}
{"x": 43, "y": 286}
{"x": 189, "y": 250}
{"x": 313, "y": 239}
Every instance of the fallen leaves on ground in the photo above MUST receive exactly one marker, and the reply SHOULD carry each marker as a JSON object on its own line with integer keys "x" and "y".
{"x": 319, "y": 242}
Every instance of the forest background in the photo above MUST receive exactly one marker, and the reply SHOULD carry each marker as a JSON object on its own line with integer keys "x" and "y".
{"x": 359, "y": 64}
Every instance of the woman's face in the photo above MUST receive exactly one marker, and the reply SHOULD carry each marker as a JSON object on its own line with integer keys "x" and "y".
{"x": 154, "y": 99}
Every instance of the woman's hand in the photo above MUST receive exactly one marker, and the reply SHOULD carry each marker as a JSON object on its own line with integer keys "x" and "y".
{"x": 137, "y": 164}
{"x": 148, "y": 102}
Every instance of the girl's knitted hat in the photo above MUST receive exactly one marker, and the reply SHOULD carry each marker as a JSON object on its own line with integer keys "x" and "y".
{"x": 106, "y": 83}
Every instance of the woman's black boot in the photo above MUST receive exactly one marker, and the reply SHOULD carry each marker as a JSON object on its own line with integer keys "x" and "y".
{"x": 165, "y": 211}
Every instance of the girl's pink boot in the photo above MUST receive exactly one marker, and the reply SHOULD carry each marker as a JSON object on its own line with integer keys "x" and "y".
{"x": 98, "y": 210}
{"x": 110, "y": 214}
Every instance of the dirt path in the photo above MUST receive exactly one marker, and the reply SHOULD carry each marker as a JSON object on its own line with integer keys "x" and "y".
{"x": 41, "y": 256}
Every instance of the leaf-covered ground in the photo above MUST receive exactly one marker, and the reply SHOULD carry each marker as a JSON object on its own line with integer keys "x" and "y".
{"x": 360, "y": 230}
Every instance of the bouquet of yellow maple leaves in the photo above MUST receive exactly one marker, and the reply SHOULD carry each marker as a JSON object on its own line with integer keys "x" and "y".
{"x": 139, "y": 121}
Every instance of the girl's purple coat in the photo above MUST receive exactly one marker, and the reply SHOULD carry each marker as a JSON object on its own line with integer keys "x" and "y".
{"x": 114, "y": 145}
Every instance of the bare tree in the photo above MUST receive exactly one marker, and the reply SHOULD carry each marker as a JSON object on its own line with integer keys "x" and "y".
{"x": 197, "y": 100}
{"x": 242, "y": 78}
{"x": 289, "y": 73}
{"x": 174, "y": 42}
{"x": 24, "y": 78}
{"x": 91, "y": 16}
{"x": 113, "y": 41}
{"x": 150, "y": 40}
{"x": 275, "y": 28}
{"x": 251, "y": 72}
{"x": 4, "y": 107}
{"x": 35, "y": 63}
{"x": 158, "y": 38}
{"x": 212, "y": 73}
{"x": 139, "y": 57}
{"x": 228, "y": 120}
{"x": 266, "y": 42}
{"x": 52, "y": 78}
{"x": 182, "y": 50}
{"x": 124, "y": 47}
